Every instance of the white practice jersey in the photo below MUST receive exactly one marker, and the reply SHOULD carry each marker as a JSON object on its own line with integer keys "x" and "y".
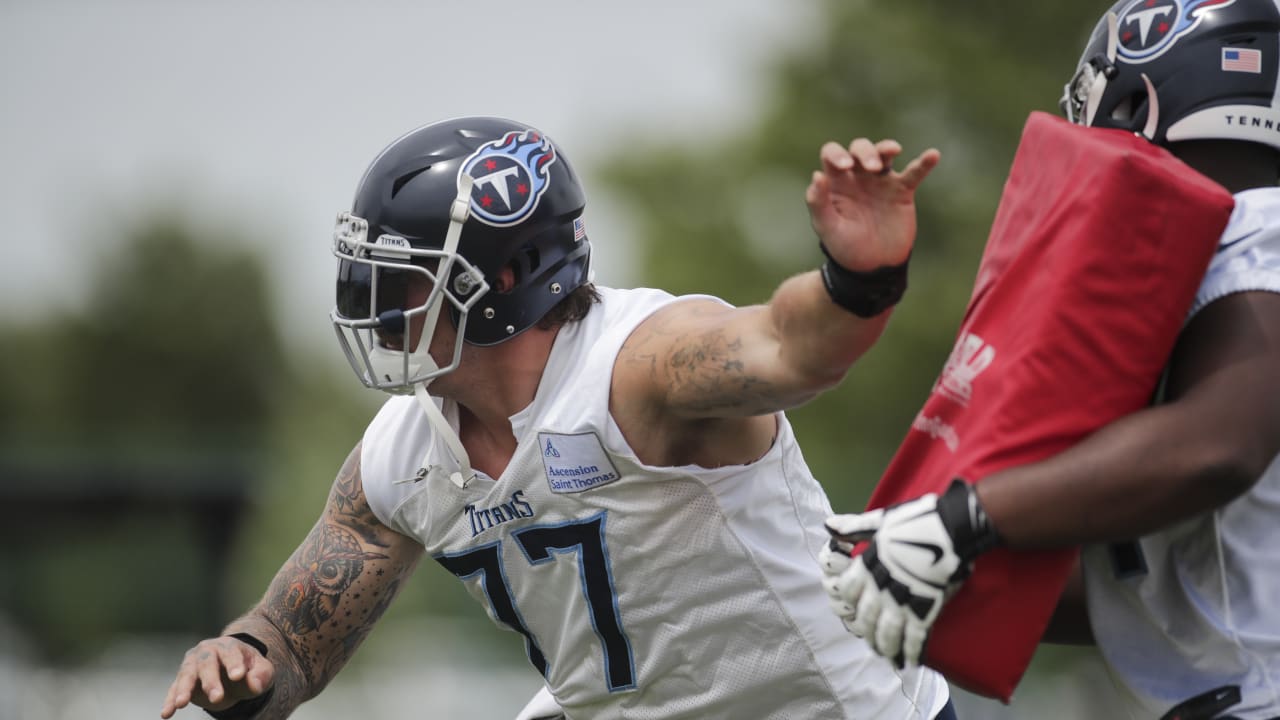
{"x": 641, "y": 591}
{"x": 1197, "y": 606}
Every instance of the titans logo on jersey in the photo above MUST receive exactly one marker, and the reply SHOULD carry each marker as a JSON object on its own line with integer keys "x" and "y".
{"x": 510, "y": 175}
{"x": 1150, "y": 27}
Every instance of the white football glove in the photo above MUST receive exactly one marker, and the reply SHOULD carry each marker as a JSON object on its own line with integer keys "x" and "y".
{"x": 920, "y": 553}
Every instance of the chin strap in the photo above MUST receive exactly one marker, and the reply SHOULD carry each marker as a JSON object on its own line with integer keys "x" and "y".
{"x": 458, "y": 213}
{"x": 464, "y": 474}
{"x": 457, "y": 216}
{"x": 1153, "y": 110}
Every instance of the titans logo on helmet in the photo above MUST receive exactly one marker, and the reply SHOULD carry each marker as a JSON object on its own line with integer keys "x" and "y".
{"x": 510, "y": 175}
{"x": 1150, "y": 27}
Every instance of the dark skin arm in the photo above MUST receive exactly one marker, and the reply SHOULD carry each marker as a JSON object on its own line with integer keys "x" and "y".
{"x": 316, "y": 612}
{"x": 1207, "y": 445}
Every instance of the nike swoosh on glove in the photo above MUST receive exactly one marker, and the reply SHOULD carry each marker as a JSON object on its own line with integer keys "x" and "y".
{"x": 921, "y": 551}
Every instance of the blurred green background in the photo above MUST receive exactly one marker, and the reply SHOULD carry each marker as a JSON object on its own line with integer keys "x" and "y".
{"x": 165, "y": 442}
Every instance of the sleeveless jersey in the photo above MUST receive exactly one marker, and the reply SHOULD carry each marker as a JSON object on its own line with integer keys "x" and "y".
{"x": 640, "y": 591}
{"x": 1193, "y": 607}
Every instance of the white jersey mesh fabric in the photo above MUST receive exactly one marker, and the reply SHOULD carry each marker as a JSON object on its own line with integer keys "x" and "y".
{"x": 1194, "y": 607}
{"x": 642, "y": 592}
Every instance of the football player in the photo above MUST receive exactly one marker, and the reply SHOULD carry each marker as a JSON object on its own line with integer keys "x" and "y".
{"x": 1187, "y": 616}
{"x": 609, "y": 472}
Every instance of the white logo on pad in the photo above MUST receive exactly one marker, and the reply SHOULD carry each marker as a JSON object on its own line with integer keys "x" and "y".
{"x": 575, "y": 463}
{"x": 969, "y": 358}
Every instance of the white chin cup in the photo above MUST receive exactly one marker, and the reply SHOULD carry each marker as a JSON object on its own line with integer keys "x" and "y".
{"x": 389, "y": 366}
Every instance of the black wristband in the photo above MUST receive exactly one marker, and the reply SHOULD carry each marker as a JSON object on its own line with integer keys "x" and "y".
{"x": 246, "y": 709}
{"x": 251, "y": 641}
{"x": 865, "y": 294}
{"x": 963, "y": 517}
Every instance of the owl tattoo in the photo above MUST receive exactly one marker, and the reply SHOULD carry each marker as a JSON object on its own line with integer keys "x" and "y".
{"x": 322, "y": 570}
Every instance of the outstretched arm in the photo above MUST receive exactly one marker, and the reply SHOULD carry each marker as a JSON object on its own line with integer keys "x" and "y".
{"x": 698, "y": 382}
{"x": 316, "y": 612}
{"x": 699, "y": 360}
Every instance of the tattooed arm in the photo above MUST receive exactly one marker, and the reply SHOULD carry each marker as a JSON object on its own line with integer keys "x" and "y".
{"x": 317, "y": 611}
{"x": 698, "y": 381}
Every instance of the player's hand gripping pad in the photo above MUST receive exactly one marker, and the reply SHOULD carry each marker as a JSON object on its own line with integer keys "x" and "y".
{"x": 1097, "y": 249}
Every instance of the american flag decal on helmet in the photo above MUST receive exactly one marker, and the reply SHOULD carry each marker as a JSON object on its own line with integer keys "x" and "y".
{"x": 1241, "y": 60}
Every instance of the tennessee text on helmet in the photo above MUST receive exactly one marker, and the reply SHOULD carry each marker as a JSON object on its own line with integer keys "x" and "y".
{"x": 1175, "y": 70}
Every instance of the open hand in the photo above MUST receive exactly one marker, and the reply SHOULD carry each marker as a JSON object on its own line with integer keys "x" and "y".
{"x": 218, "y": 673}
{"x": 862, "y": 209}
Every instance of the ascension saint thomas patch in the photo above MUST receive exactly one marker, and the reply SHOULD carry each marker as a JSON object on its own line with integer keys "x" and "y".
{"x": 575, "y": 463}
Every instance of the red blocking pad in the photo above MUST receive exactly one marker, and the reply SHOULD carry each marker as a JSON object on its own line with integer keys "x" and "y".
{"x": 1098, "y": 246}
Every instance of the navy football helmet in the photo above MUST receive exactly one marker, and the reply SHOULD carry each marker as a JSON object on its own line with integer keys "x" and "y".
{"x": 1176, "y": 70}
{"x": 455, "y": 202}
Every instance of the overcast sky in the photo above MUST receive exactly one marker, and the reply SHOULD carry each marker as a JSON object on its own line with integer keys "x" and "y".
{"x": 263, "y": 115}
